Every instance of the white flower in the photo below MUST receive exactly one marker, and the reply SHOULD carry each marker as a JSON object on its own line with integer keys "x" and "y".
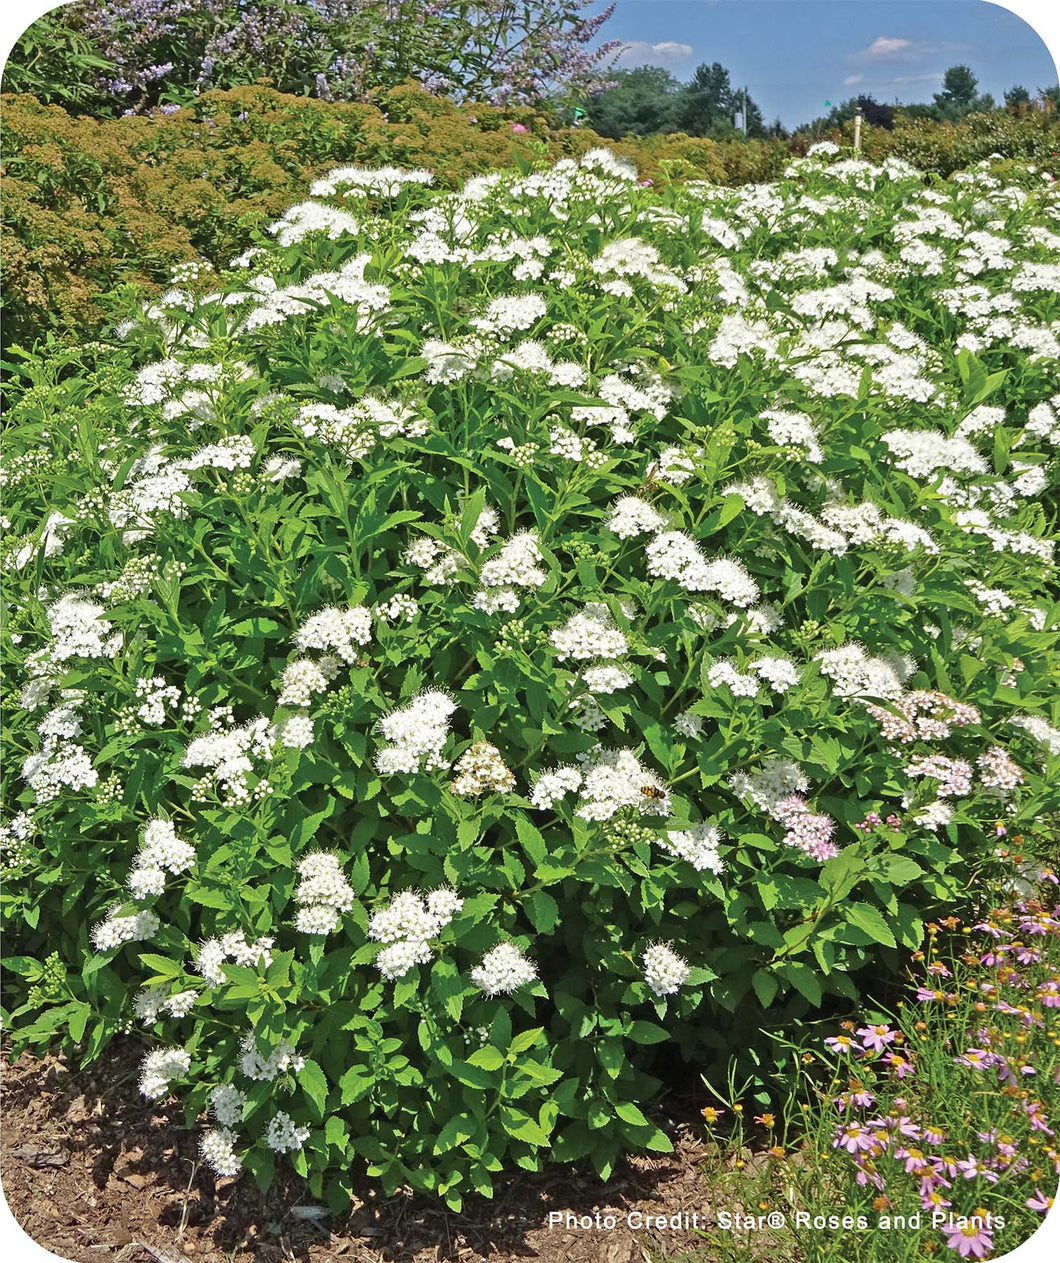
{"x": 589, "y": 634}
{"x": 226, "y": 1104}
{"x": 631, "y": 516}
{"x": 342, "y": 631}
{"x": 779, "y": 673}
{"x": 697, "y": 844}
{"x": 503, "y": 970}
{"x": 664, "y": 970}
{"x": 323, "y": 893}
{"x": 550, "y": 787}
{"x": 118, "y": 929}
{"x": 416, "y": 735}
{"x": 480, "y": 770}
{"x": 283, "y": 1134}
{"x": 280, "y": 1060}
{"x": 159, "y": 1068}
{"x": 614, "y": 779}
{"x": 217, "y": 1146}
{"x": 740, "y": 685}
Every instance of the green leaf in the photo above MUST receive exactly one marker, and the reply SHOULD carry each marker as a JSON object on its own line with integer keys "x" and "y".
{"x": 802, "y": 978}
{"x": 312, "y": 1081}
{"x": 523, "y": 1127}
{"x": 648, "y": 1033}
{"x": 488, "y": 1058}
{"x": 629, "y": 1113}
{"x": 765, "y": 987}
{"x": 868, "y": 918}
{"x": 543, "y": 911}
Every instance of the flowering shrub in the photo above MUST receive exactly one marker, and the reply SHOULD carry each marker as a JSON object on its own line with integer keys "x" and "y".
{"x": 486, "y": 50}
{"x": 93, "y": 206}
{"x": 935, "y": 1129}
{"x": 482, "y": 636}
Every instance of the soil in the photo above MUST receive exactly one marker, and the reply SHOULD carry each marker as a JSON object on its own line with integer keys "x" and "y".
{"x": 93, "y": 1172}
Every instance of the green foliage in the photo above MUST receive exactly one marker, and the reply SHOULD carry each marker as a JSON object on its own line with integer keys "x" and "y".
{"x": 296, "y": 434}
{"x": 57, "y": 64}
{"x": 643, "y": 101}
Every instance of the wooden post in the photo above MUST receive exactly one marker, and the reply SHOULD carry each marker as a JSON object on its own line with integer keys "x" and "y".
{"x": 857, "y": 131}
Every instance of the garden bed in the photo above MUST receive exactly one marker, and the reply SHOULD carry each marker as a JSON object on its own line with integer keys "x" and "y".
{"x": 92, "y": 1171}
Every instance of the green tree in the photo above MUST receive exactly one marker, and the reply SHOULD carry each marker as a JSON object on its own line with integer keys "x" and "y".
{"x": 709, "y": 103}
{"x": 1016, "y": 97}
{"x": 959, "y": 90}
{"x": 960, "y": 95}
{"x": 640, "y": 102}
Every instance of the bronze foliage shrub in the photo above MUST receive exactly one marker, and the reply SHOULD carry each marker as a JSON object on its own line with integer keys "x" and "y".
{"x": 94, "y": 207}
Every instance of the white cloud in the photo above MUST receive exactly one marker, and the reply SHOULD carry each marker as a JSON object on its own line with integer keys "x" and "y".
{"x": 885, "y": 46}
{"x": 667, "y": 53}
{"x": 850, "y": 80}
{"x": 905, "y": 81}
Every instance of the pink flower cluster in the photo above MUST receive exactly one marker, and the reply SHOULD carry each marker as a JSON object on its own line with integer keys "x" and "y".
{"x": 997, "y": 770}
{"x": 923, "y": 714}
{"x": 810, "y": 831}
{"x": 953, "y": 775}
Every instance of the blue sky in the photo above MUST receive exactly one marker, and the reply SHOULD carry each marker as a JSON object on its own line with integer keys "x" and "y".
{"x": 795, "y": 55}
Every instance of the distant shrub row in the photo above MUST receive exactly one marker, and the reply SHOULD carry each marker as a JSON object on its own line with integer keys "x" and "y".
{"x": 93, "y": 207}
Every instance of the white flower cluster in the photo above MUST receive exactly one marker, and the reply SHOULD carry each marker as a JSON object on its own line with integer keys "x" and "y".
{"x": 229, "y": 754}
{"x": 323, "y": 893}
{"x": 550, "y": 787}
{"x": 284, "y": 1135}
{"x": 265, "y": 1069}
{"x": 632, "y": 516}
{"x": 504, "y": 969}
{"x": 152, "y": 1001}
{"x": 365, "y": 181}
{"x": 675, "y": 556}
{"x": 777, "y": 778}
{"x": 613, "y": 779}
{"x": 1038, "y": 727}
{"x": 516, "y": 566}
{"x": 340, "y": 631}
{"x": 855, "y": 674}
{"x": 306, "y": 218}
{"x": 509, "y": 313}
{"x": 481, "y": 770}
{"x": 664, "y": 971}
{"x": 439, "y": 562}
{"x": 159, "y": 1068}
{"x": 214, "y": 952}
{"x": 416, "y": 735}
{"x": 406, "y": 926}
{"x": 161, "y": 852}
{"x": 922, "y": 453}
{"x": 79, "y": 630}
{"x": 697, "y": 844}
{"x": 154, "y": 696}
{"x": 589, "y": 634}
{"x": 120, "y": 927}
{"x": 304, "y": 677}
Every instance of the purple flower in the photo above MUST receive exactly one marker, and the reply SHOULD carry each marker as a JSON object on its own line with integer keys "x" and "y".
{"x": 875, "y": 1038}
{"x": 1040, "y": 1202}
{"x": 973, "y": 1240}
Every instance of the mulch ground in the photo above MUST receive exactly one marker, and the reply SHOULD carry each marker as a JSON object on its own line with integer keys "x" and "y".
{"x": 93, "y": 1172}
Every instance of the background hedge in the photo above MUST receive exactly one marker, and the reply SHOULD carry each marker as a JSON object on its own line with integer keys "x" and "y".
{"x": 95, "y": 206}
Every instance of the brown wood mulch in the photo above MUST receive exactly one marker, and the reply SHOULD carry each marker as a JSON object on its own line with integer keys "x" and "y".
{"x": 93, "y": 1172}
